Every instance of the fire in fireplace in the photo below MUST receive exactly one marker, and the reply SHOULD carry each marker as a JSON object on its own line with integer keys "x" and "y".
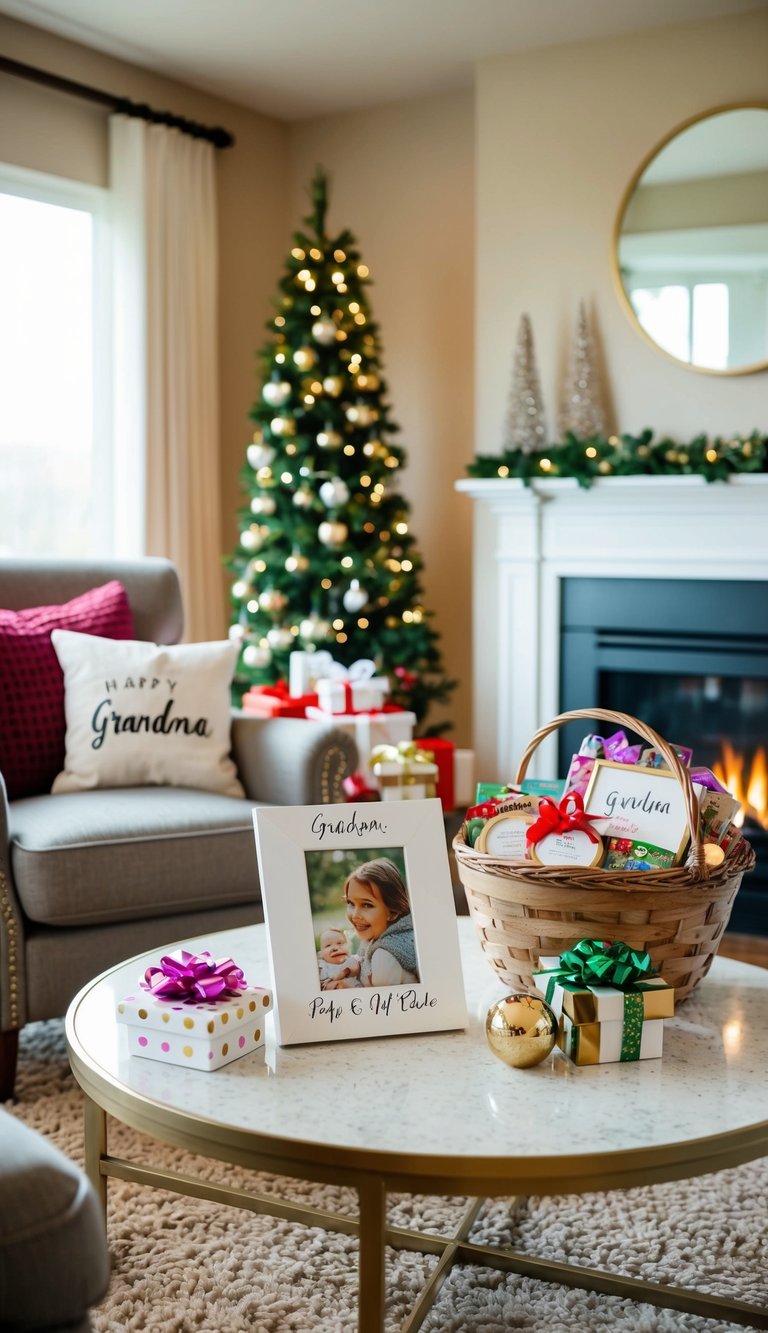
{"x": 748, "y": 782}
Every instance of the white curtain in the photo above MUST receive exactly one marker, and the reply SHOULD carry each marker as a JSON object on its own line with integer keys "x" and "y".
{"x": 166, "y": 373}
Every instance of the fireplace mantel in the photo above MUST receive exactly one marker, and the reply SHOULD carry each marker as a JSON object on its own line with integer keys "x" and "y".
{"x": 528, "y": 538}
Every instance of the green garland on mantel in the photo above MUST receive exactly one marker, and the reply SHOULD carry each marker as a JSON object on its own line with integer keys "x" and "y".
{"x": 630, "y": 456}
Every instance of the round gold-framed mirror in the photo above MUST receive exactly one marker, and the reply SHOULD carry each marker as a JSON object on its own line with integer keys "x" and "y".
{"x": 690, "y": 243}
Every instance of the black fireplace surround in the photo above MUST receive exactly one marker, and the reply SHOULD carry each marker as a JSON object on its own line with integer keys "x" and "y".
{"x": 687, "y": 656}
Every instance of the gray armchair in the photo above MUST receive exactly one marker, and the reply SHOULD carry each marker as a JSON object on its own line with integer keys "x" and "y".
{"x": 90, "y": 877}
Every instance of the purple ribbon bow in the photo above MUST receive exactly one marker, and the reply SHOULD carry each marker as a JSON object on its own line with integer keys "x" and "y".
{"x": 193, "y": 976}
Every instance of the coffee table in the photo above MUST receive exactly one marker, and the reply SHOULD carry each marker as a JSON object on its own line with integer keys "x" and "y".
{"x": 438, "y": 1114}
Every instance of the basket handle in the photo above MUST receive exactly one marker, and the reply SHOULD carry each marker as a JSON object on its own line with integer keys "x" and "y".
{"x": 696, "y": 861}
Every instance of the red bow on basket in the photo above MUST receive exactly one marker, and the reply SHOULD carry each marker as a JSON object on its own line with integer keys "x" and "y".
{"x": 566, "y": 817}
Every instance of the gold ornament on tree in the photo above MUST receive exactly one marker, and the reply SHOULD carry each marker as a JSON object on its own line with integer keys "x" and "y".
{"x": 582, "y": 413}
{"x": 525, "y": 428}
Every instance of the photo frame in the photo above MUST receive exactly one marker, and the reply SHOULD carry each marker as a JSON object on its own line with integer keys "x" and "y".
{"x": 639, "y": 803}
{"x": 361, "y": 922}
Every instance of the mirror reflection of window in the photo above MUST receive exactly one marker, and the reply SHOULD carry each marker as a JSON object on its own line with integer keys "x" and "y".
{"x": 691, "y": 253}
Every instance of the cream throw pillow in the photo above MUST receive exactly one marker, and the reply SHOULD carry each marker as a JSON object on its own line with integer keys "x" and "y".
{"x": 141, "y": 714}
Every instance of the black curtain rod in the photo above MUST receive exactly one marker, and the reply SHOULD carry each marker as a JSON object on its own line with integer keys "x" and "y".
{"x": 218, "y": 137}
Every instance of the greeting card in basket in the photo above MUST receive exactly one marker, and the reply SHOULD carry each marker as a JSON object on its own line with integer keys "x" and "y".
{"x": 640, "y": 803}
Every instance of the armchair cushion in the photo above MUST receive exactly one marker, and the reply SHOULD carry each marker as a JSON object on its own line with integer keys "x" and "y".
{"x": 138, "y": 713}
{"x": 32, "y": 723}
{"x": 101, "y": 857}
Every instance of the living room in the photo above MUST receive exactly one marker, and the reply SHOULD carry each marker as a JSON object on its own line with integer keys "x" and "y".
{"x": 478, "y": 192}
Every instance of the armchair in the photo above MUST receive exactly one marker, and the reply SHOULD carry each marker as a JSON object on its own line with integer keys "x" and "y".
{"x": 90, "y": 877}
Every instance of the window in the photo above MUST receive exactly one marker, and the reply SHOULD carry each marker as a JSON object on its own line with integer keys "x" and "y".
{"x": 689, "y": 320}
{"x": 55, "y": 367}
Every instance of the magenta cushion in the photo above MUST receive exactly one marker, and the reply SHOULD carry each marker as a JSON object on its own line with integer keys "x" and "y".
{"x": 32, "y": 723}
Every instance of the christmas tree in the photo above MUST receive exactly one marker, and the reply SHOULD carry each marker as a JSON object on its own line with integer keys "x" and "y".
{"x": 525, "y": 417}
{"x": 582, "y": 414}
{"x": 326, "y": 558}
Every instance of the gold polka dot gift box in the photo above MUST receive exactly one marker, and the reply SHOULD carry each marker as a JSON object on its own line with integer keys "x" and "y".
{"x": 196, "y": 1011}
{"x": 609, "y": 1004}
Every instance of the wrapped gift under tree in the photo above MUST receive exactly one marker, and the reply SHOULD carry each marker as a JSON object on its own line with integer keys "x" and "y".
{"x": 196, "y": 1011}
{"x": 403, "y": 772}
{"x": 609, "y": 1001}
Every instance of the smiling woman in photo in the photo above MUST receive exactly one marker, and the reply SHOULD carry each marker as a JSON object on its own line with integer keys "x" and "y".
{"x": 379, "y": 911}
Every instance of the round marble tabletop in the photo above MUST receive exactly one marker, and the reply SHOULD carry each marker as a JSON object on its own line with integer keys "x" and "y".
{"x": 439, "y": 1109}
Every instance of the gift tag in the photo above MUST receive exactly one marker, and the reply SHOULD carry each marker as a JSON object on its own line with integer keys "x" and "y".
{"x": 573, "y": 847}
{"x": 504, "y": 835}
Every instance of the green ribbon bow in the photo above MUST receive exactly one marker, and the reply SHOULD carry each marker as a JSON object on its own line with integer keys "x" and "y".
{"x": 596, "y": 963}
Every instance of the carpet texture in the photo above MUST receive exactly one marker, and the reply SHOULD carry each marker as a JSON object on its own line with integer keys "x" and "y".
{"x": 184, "y": 1264}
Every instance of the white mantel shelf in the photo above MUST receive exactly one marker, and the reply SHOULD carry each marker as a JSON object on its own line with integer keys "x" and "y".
{"x": 528, "y": 538}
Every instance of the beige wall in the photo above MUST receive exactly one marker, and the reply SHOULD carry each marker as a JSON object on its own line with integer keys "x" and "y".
{"x": 402, "y": 180}
{"x": 48, "y": 131}
{"x": 560, "y": 132}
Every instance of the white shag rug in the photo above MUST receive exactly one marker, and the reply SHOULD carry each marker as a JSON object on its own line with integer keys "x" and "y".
{"x": 183, "y": 1264}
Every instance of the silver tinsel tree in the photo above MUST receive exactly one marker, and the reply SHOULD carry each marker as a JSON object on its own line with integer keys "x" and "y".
{"x": 525, "y": 428}
{"x": 582, "y": 411}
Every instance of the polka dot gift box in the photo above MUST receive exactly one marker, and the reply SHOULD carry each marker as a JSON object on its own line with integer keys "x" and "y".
{"x": 194, "y": 1010}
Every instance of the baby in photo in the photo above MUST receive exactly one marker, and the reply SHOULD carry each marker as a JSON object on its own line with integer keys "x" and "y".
{"x": 335, "y": 963}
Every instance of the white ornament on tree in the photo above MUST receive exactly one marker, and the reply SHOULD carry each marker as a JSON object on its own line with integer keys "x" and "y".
{"x": 276, "y": 392}
{"x": 302, "y": 498}
{"x": 314, "y": 629}
{"x": 355, "y": 597}
{"x": 324, "y": 331}
{"x": 260, "y": 455}
{"x": 334, "y": 492}
{"x": 279, "y": 638}
{"x": 263, "y": 504}
{"x": 333, "y": 533}
{"x": 329, "y": 439}
{"x": 236, "y": 633}
{"x": 282, "y": 426}
{"x": 304, "y": 357}
{"x": 257, "y": 654}
{"x": 272, "y": 600}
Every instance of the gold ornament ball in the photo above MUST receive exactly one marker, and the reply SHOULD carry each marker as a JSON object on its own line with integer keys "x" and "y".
{"x": 521, "y": 1030}
{"x": 304, "y": 357}
{"x": 333, "y": 385}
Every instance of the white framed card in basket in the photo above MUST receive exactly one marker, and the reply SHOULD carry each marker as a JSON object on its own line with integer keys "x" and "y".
{"x": 360, "y": 919}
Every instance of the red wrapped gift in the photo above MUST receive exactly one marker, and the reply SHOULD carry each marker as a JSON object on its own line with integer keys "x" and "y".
{"x": 275, "y": 701}
{"x": 442, "y": 753}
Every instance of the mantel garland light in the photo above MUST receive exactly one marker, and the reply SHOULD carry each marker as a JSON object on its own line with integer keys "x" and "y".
{"x": 630, "y": 456}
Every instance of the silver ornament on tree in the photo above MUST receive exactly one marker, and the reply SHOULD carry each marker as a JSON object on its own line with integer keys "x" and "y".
{"x": 257, "y": 655}
{"x": 263, "y": 504}
{"x": 525, "y": 428}
{"x": 324, "y": 331}
{"x": 355, "y": 597}
{"x": 314, "y": 629}
{"x": 334, "y": 492}
{"x": 280, "y": 638}
{"x": 276, "y": 392}
{"x": 303, "y": 498}
{"x": 273, "y": 601}
{"x": 582, "y": 412}
{"x": 260, "y": 455}
{"x": 333, "y": 533}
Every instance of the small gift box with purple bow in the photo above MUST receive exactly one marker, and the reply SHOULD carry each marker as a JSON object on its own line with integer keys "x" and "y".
{"x": 194, "y": 1010}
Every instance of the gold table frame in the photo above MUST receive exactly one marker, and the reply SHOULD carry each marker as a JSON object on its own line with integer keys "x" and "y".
{"x": 373, "y": 1175}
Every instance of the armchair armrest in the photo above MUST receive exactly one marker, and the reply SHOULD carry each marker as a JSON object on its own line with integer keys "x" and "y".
{"x": 13, "y": 987}
{"x": 290, "y": 761}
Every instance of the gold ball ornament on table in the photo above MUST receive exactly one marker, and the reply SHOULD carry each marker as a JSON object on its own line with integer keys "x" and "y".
{"x": 521, "y": 1030}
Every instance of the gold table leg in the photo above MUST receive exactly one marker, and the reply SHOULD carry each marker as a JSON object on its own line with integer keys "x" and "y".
{"x": 95, "y": 1134}
{"x": 373, "y": 1204}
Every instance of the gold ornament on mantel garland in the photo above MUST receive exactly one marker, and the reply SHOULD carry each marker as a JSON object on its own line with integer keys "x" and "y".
{"x": 586, "y": 460}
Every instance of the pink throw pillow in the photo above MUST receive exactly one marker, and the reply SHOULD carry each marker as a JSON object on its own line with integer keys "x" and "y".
{"x": 32, "y": 722}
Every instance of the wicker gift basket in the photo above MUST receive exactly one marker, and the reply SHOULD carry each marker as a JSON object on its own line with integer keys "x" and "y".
{"x": 522, "y": 910}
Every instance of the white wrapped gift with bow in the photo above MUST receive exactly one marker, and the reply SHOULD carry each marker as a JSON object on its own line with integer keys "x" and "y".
{"x": 353, "y": 689}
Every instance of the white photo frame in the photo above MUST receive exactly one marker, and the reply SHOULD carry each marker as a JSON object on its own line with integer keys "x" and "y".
{"x": 300, "y": 849}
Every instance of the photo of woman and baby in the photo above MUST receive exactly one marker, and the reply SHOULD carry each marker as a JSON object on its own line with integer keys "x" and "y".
{"x": 361, "y": 917}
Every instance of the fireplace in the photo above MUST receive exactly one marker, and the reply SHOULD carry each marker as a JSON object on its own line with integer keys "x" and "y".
{"x": 656, "y": 651}
{"x": 648, "y": 595}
